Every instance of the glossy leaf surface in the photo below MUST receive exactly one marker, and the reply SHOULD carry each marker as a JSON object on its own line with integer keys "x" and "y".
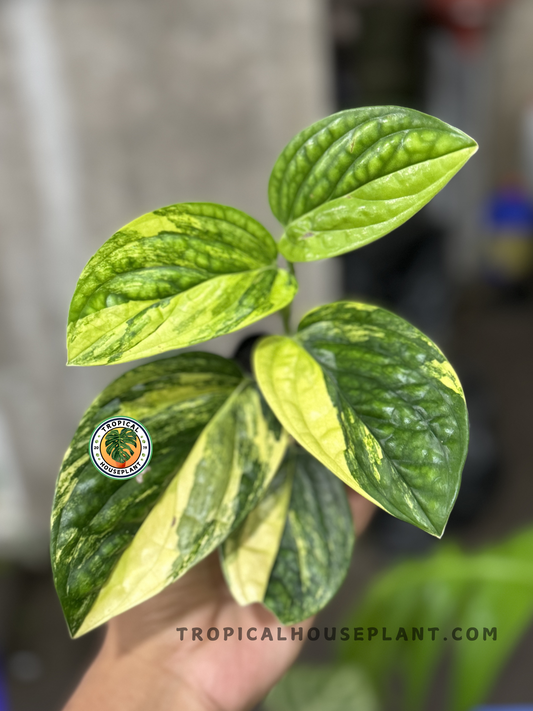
{"x": 455, "y": 592}
{"x": 216, "y": 446}
{"x": 308, "y": 687}
{"x": 376, "y": 402}
{"x": 317, "y": 543}
{"x": 172, "y": 278}
{"x": 356, "y": 175}
{"x": 249, "y": 553}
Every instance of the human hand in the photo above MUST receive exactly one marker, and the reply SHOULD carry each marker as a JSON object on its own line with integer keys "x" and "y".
{"x": 143, "y": 664}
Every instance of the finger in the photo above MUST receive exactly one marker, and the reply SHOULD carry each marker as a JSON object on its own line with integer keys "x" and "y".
{"x": 362, "y": 510}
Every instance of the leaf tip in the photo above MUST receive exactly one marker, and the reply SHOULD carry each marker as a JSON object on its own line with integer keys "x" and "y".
{"x": 436, "y": 531}
{"x": 71, "y": 358}
{"x": 470, "y": 144}
{"x": 474, "y": 146}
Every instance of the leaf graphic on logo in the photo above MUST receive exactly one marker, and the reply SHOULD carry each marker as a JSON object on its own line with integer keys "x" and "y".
{"x": 119, "y": 444}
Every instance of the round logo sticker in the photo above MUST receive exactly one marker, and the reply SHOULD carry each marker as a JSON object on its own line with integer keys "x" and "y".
{"x": 120, "y": 448}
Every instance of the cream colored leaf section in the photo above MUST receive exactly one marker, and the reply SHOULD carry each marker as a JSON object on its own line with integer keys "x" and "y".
{"x": 215, "y": 307}
{"x": 248, "y": 555}
{"x": 442, "y": 370}
{"x": 200, "y": 507}
{"x": 371, "y": 211}
{"x": 294, "y": 386}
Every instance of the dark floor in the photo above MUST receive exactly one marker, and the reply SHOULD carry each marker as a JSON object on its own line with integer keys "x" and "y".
{"x": 43, "y": 664}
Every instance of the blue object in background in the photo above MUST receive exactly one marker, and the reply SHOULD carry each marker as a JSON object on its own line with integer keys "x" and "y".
{"x": 507, "y": 257}
{"x": 510, "y": 207}
{"x": 512, "y": 707}
{"x": 4, "y": 705}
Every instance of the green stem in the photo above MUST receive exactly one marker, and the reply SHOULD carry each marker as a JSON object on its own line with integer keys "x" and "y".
{"x": 286, "y": 316}
{"x": 286, "y": 310}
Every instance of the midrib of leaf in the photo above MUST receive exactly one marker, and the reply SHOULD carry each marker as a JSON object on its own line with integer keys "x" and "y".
{"x": 357, "y": 159}
{"x": 390, "y": 461}
{"x": 368, "y": 376}
{"x": 197, "y": 287}
{"x": 384, "y": 174}
{"x": 208, "y": 275}
{"x": 430, "y": 352}
{"x": 331, "y": 203}
{"x": 313, "y": 165}
{"x": 141, "y": 354}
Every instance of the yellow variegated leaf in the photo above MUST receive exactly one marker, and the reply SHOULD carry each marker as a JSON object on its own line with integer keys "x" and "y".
{"x": 216, "y": 446}
{"x": 291, "y": 379}
{"x": 294, "y": 549}
{"x": 376, "y": 402}
{"x": 316, "y": 547}
{"x": 224, "y": 476}
{"x": 249, "y": 553}
{"x": 177, "y": 276}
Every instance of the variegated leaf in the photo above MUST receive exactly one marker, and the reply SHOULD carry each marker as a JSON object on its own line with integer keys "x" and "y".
{"x": 249, "y": 553}
{"x": 356, "y": 175}
{"x": 216, "y": 447}
{"x": 317, "y": 543}
{"x": 376, "y": 402}
{"x": 172, "y": 278}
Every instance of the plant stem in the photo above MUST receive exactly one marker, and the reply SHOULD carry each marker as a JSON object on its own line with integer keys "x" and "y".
{"x": 286, "y": 310}
{"x": 286, "y": 316}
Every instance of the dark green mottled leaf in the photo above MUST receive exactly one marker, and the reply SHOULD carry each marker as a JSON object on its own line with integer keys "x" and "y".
{"x": 450, "y": 590}
{"x": 376, "y": 402}
{"x": 353, "y": 177}
{"x": 330, "y": 687}
{"x": 174, "y": 277}
{"x": 204, "y": 419}
{"x": 316, "y": 547}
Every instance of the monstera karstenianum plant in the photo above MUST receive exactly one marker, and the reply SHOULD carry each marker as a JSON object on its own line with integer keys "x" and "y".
{"x": 254, "y": 463}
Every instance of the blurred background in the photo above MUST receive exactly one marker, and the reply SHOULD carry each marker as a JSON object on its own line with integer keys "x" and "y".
{"x": 109, "y": 109}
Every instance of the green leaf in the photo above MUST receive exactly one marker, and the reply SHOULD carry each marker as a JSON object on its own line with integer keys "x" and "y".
{"x": 376, "y": 402}
{"x": 248, "y": 555}
{"x": 317, "y": 543}
{"x": 450, "y": 590}
{"x": 293, "y": 550}
{"x": 357, "y": 175}
{"x": 119, "y": 444}
{"x": 172, "y": 278}
{"x": 216, "y": 447}
{"x": 322, "y": 688}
